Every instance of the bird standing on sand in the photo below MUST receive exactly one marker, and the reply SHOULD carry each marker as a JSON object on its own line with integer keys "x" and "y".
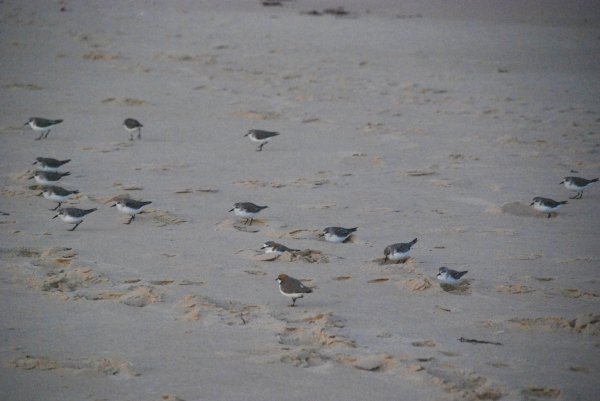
{"x": 398, "y": 252}
{"x": 273, "y": 247}
{"x": 261, "y": 137}
{"x": 57, "y": 194}
{"x": 72, "y": 215}
{"x": 49, "y": 164}
{"x": 247, "y": 210}
{"x": 546, "y": 205}
{"x": 337, "y": 234}
{"x": 577, "y": 184}
{"x": 48, "y": 177}
{"x": 131, "y": 124}
{"x": 131, "y": 207}
{"x": 290, "y": 287}
{"x": 42, "y": 125}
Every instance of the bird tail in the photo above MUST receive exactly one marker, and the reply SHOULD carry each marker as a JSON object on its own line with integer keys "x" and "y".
{"x": 594, "y": 180}
{"x": 411, "y": 243}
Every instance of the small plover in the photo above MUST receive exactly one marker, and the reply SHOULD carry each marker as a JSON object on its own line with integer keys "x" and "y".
{"x": 49, "y": 164}
{"x": 48, "y": 177}
{"x": 42, "y": 125}
{"x": 131, "y": 207}
{"x": 577, "y": 184}
{"x": 290, "y": 287}
{"x": 337, "y": 234}
{"x": 546, "y": 205}
{"x": 72, "y": 215}
{"x": 261, "y": 137}
{"x": 131, "y": 124}
{"x": 247, "y": 210}
{"x": 273, "y": 247}
{"x": 450, "y": 276}
{"x": 398, "y": 252}
{"x": 57, "y": 194}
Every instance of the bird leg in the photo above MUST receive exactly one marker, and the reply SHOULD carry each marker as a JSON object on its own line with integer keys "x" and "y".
{"x": 56, "y": 208}
{"x": 40, "y": 137}
{"x": 47, "y": 132}
{"x": 73, "y": 229}
{"x": 130, "y": 220}
{"x": 139, "y": 133}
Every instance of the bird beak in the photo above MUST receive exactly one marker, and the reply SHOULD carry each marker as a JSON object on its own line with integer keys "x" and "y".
{"x": 26, "y": 123}
{"x": 36, "y": 162}
{"x": 244, "y": 135}
{"x": 114, "y": 205}
{"x": 322, "y": 234}
{"x": 263, "y": 247}
{"x": 232, "y": 210}
{"x": 562, "y": 182}
{"x": 532, "y": 204}
{"x": 55, "y": 216}
{"x": 31, "y": 177}
{"x": 40, "y": 194}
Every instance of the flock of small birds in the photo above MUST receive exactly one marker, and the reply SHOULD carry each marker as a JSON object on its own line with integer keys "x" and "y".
{"x": 48, "y": 176}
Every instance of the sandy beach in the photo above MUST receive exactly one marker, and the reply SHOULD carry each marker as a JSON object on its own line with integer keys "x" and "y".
{"x": 407, "y": 120}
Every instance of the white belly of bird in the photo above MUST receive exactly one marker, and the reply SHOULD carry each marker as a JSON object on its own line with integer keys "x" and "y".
{"x": 130, "y": 211}
{"x": 448, "y": 279}
{"x": 293, "y": 295}
{"x": 71, "y": 219}
{"x": 55, "y": 198}
{"x": 253, "y": 139}
{"x": 44, "y": 181}
{"x": 47, "y": 168}
{"x": 334, "y": 238}
{"x": 573, "y": 187}
{"x": 244, "y": 214}
{"x": 39, "y": 129}
{"x": 398, "y": 255}
{"x": 544, "y": 208}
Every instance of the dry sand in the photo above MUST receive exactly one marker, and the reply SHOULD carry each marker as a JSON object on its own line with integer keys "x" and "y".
{"x": 411, "y": 120}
